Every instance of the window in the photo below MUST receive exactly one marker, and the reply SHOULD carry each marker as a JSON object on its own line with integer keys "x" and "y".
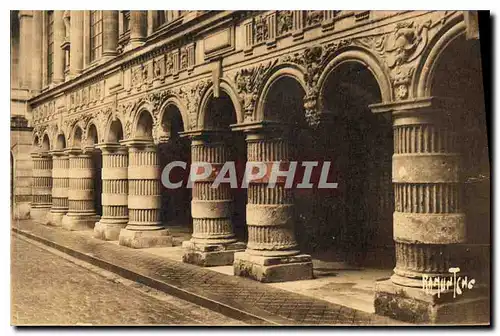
{"x": 95, "y": 35}
{"x": 126, "y": 21}
{"x": 50, "y": 46}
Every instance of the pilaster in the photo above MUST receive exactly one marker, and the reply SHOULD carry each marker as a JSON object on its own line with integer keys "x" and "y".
{"x": 76, "y": 41}
{"x": 110, "y": 32}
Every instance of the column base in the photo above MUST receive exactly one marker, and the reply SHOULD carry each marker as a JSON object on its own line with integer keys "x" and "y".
{"x": 145, "y": 239}
{"x": 414, "y": 305}
{"x": 210, "y": 254}
{"x": 55, "y": 218}
{"x": 22, "y": 210}
{"x": 108, "y": 231}
{"x": 78, "y": 222}
{"x": 39, "y": 214}
{"x": 273, "y": 269}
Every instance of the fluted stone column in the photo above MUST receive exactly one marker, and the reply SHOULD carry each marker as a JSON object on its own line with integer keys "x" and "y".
{"x": 144, "y": 227}
{"x": 272, "y": 254}
{"x": 110, "y": 32}
{"x": 41, "y": 186}
{"x": 59, "y": 34}
{"x": 138, "y": 27}
{"x": 429, "y": 220}
{"x": 36, "y": 51}
{"x": 76, "y": 40}
{"x": 60, "y": 184}
{"x": 114, "y": 192}
{"x": 213, "y": 242}
{"x": 81, "y": 214}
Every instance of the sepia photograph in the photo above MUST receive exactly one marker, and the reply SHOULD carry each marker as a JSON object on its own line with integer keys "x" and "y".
{"x": 244, "y": 168}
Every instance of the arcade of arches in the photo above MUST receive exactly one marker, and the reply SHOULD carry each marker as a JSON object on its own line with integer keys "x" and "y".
{"x": 403, "y": 128}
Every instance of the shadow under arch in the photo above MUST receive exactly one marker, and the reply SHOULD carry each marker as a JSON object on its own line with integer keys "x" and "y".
{"x": 356, "y": 217}
{"x": 90, "y": 145}
{"x": 176, "y": 203}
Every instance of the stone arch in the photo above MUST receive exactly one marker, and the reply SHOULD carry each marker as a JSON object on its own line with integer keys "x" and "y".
{"x": 60, "y": 142}
{"x": 36, "y": 142}
{"x": 92, "y": 135}
{"x": 77, "y": 136}
{"x": 226, "y": 88}
{"x": 114, "y": 129}
{"x": 45, "y": 143}
{"x": 424, "y": 74}
{"x": 143, "y": 125}
{"x": 360, "y": 56}
{"x": 172, "y": 108}
{"x": 280, "y": 73}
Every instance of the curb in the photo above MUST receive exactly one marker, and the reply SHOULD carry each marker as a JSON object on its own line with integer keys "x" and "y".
{"x": 205, "y": 302}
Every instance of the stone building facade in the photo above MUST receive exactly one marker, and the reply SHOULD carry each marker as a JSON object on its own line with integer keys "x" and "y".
{"x": 103, "y": 100}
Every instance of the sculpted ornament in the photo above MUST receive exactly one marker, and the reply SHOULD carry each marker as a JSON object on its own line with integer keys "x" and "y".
{"x": 260, "y": 29}
{"x": 399, "y": 51}
{"x": 248, "y": 83}
{"x": 285, "y": 21}
{"x": 192, "y": 98}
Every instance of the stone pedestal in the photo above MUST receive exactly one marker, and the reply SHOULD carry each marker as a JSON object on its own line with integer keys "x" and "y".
{"x": 429, "y": 221}
{"x": 60, "y": 183}
{"x": 114, "y": 192}
{"x": 81, "y": 213}
{"x": 213, "y": 242}
{"x": 41, "y": 187}
{"x": 144, "y": 228}
{"x": 272, "y": 253}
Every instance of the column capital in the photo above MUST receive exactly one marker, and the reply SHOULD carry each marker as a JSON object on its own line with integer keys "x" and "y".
{"x": 28, "y": 13}
{"x": 58, "y": 152}
{"x": 262, "y": 127}
{"x": 111, "y": 147}
{"x": 425, "y": 104}
{"x": 73, "y": 151}
{"x": 138, "y": 143}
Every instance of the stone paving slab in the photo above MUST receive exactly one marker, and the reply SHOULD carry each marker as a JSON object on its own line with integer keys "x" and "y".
{"x": 240, "y": 298}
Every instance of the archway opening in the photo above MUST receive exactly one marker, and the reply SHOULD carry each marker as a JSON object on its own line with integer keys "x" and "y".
{"x": 458, "y": 75}
{"x": 45, "y": 144}
{"x": 220, "y": 114}
{"x": 144, "y": 128}
{"x": 77, "y": 137}
{"x": 358, "y": 216}
{"x": 176, "y": 203}
{"x": 115, "y": 134}
{"x": 60, "y": 142}
{"x": 92, "y": 140}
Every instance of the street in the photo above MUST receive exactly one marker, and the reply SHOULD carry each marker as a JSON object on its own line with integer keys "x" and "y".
{"x": 49, "y": 288}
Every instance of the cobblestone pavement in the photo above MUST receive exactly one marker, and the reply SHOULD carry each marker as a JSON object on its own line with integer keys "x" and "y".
{"x": 253, "y": 299}
{"x": 48, "y": 289}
